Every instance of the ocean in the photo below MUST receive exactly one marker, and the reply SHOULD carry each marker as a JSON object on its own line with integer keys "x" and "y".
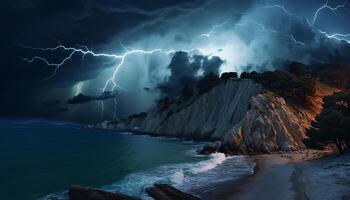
{"x": 40, "y": 160}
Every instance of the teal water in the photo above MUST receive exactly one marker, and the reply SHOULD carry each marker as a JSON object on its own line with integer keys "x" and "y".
{"x": 38, "y": 159}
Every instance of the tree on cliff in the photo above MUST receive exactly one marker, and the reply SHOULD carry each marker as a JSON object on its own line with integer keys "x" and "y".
{"x": 187, "y": 92}
{"x": 299, "y": 70}
{"x": 228, "y": 75}
{"x": 288, "y": 85}
{"x": 337, "y": 75}
{"x": 207, "y": 82}
{"x": 333, "y": 124}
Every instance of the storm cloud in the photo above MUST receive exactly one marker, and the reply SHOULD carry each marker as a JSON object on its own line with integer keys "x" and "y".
{"x": 81, "y": 98}
{"x": 185, "y": 70}
{"x": 197, "y": 37}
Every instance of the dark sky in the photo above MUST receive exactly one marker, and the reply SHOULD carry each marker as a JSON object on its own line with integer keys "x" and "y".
{"x": 216, "y": 35}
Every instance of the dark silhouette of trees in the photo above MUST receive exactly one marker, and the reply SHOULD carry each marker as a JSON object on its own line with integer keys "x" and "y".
{"x": 288, "y": 85}
{"x": 299, "y": 70}
{"x": 337, "y": 75}
{"x": 333, "y": 124}
{"x": 187, "y": 92}
{"x": 207, "y": 82}
{"x": 228, "y": 75}
{"x": 250, "y": 75}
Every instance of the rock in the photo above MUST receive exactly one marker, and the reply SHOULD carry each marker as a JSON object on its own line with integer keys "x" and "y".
{"x": 207, "y": 116}
{"x": 240, "y": 113}
{"x": 86, "y": 193}
{"x": 167, "y": 192}
{"x": 207, "y": 150}
{"x": 269, "y": 125}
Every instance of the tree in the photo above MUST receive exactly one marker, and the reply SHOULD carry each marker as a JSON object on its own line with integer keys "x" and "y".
{"x": 207, "y": 83}
{"x": 287, "y": 85}
{"x": 333, "y": 123}
{"x": 187, "y": 92}
{"x": 299, "y": 69}
{"x": 337, "y": 75}
{"x": 252, "y": 75}
{"x": 228, "y": 75}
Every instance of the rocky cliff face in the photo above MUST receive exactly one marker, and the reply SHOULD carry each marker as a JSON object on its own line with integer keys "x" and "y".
{"x": 239, "y": 112}
{"x": 210, "y": 115}
{"x": 269, "y": 125}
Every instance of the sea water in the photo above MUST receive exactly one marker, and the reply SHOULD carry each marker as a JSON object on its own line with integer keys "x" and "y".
{"x": 40, "y": 160}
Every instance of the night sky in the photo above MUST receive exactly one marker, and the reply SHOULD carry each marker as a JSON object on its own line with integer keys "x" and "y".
{"x": 157, "y": 46}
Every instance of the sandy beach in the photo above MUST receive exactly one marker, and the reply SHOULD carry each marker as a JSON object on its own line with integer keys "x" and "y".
{"x": 285, "y": 176}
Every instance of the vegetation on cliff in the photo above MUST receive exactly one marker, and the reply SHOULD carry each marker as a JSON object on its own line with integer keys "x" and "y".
{"x": 336, "y": 75}
{"x": 333, "y": 124}
{"x": 295, "y": 85}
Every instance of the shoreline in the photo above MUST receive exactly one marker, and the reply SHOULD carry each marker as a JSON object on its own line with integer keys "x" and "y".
{"x": 276, "y": 176}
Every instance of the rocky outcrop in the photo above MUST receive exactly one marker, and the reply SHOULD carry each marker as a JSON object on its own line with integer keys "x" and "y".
{"x": 239, "y": 112}
{"x": 210, "y": 115}
{"x": 269, "y": 125}
{"x": 86, "y": 193}
{"x": 167, "y": 192}
{"x": 209, "y": 149}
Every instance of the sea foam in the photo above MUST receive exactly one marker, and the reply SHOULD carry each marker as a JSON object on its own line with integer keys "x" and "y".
{"x": 186, "y": 175}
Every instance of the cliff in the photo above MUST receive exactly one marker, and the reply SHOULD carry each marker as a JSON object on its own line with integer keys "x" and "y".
{"x": 240, "y": 113}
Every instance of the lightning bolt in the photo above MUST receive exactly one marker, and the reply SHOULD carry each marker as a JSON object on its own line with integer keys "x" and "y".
{"x": 337, "y": 36}
{"x": 292, "y": 38}
{"x": 283, "y": 8}
{"x": 264, "y": 29}
{"x": 110, "y": 84}
{"x": 213, "y": 30}
{"x": 327, "y": 6}
{"x": 122, "y": 59}
{"x": 246, "y": 23}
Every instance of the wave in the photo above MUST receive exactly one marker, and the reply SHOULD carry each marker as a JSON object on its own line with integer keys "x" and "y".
{"x": 215, "y": 160}
{"x": 188, "y": 177}
{"x": 185, "y": 176}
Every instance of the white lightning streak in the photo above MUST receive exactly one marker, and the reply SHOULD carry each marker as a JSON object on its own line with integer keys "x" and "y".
{"x": 84, "y": 50}
{"x": 122, "y": 59}
{"x": 292, "y": 38}
{"x": 213, "y": 29}
{"x": 327, "y": 6}
{"x": 110, "y": 83}
{"x": 264, "y": 29}
{"x": 336, "y": 36}
{"x": 279, "y": 7}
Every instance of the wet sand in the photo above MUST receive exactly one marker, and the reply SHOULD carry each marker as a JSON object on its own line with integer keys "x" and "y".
{"x": 276, "y": 177}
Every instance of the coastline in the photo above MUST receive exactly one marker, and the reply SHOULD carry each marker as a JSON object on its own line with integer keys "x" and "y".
{"x": 276, "y": 176}
{"x": 279, "y": 175}
{"x": 290, "y": 175}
